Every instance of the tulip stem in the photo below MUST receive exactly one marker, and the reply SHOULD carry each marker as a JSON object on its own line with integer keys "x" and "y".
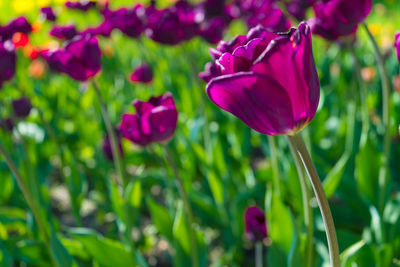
{"x": 113, "y": 139}
{"x": 363, "y": 98}
{"x": 308, "y": 214}
{"x": 384, "y": 173}
{"x": 298, "y": 143}
{"x": 187, "y": 207}
{"x": 275, "y": 164}
{"x": 27, "y": 194}
{"x": 259, "y": 254}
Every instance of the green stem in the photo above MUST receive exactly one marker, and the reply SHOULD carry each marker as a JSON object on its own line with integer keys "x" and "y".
{"x": 259, "y": 254}
{"x": 327, "y": 218}
{"x": 275, "y": 164}
{"x": 113, "y": 139}
{"x": 308, "y": 215}
{"x": 27, "y": 194}
{"x": 384, "y": 173}
{"x": 187, "y": 206}
{"x": 363, "y": 98}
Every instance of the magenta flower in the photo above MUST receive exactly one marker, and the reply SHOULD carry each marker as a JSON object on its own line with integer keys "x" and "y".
{"x": 107, "y": 148}
{"x": 80, "y": 58}
{"x": 298, "y": 8}
{"x": 7, "y": 61}
{"x": 22, "y": 107}
{"x": 397, "y": 44}
{"x": 19, "y": 24}
{"x": 128, "y": 21}
{"x": 64, "y": 32}
{"x": 48, "y": 13}
{"x": 339, "y": 18}
{"x": 269, "y": 81}
{"x": 143, "y": 74}
{"x": 154, "y": 121}
{"x": 256, "y": 227}
{"x": 83, "y": 5}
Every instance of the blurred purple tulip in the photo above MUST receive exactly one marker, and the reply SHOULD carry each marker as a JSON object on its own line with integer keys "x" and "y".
{"x": 48, "y": 13}
{"x": 107, "y": 148}
{"x": 255, "y": 223}
{"x": 143, "y": 74}
{"x": 80, "y": 58}
{"x": 339, "y": 18}
{"x": 64, "y": 32}
{"x": 298, "y": 8}
{"x": 7, "y": 61}
{"x": 7, "y": 124}
{"x": 154, "y": 121}
{"x": 128, "y": 21}
{"x": 22, "y": 107}
{"x": 19, "y": 24}
{"x": 270, "y": 83}
{"x": 397, "y": 44}
{"x": 83, "y": 5}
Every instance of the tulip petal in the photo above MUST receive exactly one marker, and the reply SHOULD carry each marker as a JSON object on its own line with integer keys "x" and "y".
{"x": 256, "y": 99}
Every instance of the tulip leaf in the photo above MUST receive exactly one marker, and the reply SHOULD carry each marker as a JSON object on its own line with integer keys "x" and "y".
{"x": 134, "y": 193}
{"x": 368, "y": 163}
{"x": 59, "y": 252}
{"x": 281, "y": 225}
{"x": 181, "y": 230}
{"x": 161, "y": 218}
{"x": 333, "y": 178}
{"x": 217, "y": 187}
{"x": 105, "y": 251}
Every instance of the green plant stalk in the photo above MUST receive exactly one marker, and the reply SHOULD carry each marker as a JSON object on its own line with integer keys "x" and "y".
{"x": 113, "y": 138}
{"x": 49, "y": 129}
{"x": 259, "y": 254}
{"x": 187, "y": 207}
{"x": 308, "y": 214}
{"x": 363, "y": 97}
{"x": 27, "y": 195}
{"x": 276, "y": 174}
{"x": 384, "y": 172}
{"x": 327, "y": 218}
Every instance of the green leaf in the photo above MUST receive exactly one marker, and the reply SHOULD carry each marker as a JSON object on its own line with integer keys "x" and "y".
{"x": 105, "y": 251}
{"x": 134, "y": 193}
{"x": 181, "y": 230}
{"x": 161, "y": 218}
{"x": 59, "y": 252}
{"x": 217, "y": 187}
{"x": 333, "y": 178}
{"x": 368, "y": 163}
{"x": 281, "y": 225}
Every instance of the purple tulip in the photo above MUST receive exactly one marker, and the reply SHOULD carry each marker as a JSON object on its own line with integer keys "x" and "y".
{"x": 48, "y": 13}
{"x": 19, "y": 24}
{"x": 80, "y": 58}
{"x": 128, "y": 21}
{"x": 256, "y": 227}
{"x": 143, "y": 74}
{"x": 338, "y": 18}
{"x": 154, "y": 121}
{"x": 22, "y": 107}
{"x": 397, "y": 44}
{"x": 173, "y": 25}
{"x": 64, "y": 32}
{"x": 270, "y": 82}
{"x": 83, "y": 5}
{"x": 7, "y": 124}
{"x": 107, "y": 148}
{"x": 7, "y": 61}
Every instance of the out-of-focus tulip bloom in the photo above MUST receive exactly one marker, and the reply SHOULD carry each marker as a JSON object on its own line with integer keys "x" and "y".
{"x": 7, "y": 61}
{"x": 64, "y": 32}
{"x": 255, "y": 223}
{"x": 37, "y": 69}
{"x": 22, "y": 107}
{"x": 154, "y": 121}
{"x": 397, "y": 44}
{"x": 80, "y": 58}
{"x": 339, "y": 18}
{"x": 107, "y": 148}
{"x": 143, "y": 74}
{"x": 48, "y": 13}
{"x": 7, "y": 124}
{"x": 19, "y": 24}
{"x": 83, "y": 5}
{"x": 20, "y": 39}
{"x": 269, "y": 82}
{"x": 298, "y": 8}
{"x": 128, "y": 21}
